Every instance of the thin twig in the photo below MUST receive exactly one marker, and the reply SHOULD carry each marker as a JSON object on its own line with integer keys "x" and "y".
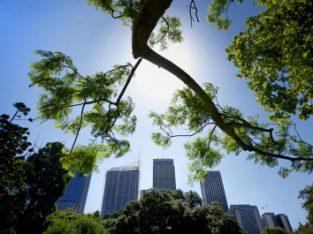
{"x": 304, "y": 142}
{"x": 192, "y": 134}
{"x": 193, "y": 7}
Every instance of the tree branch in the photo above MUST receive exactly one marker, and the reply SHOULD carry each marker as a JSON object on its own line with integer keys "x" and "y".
{"x": 131, "y": 74}
{"x": 144, "y": 23}
{"x": 188, "y": 135}
{"x": 79, "y": 127}
{"x": 193, "y": 7}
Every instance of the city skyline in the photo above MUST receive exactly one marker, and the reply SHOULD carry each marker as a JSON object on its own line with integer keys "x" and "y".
{"x": 96, "y": 42}
{"x": 122, "y": 187}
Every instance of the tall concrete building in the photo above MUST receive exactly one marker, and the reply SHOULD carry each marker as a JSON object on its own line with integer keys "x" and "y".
{"x": 248, "y": 218}
{"x": 283, "y": 222}
{"x": 280, "y": 220}
{"x": 164, "y": 174}
{"x": 75, "y": 194}
{"x": 212, "y": 189}
{"x": 269, "y": 220}
{"x": 121, "y": 187}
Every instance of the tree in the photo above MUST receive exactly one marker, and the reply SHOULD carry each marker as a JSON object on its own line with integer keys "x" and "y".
{"x": 13, "y": 143}
{"x": 166, "y": 211}
{"x": 307, "y": 195}
{"x": 30, "y": 184}
{"x": 69, "y": 222}
{"x": 110, "y": 115}
{"x": 274, "y": 55}
{"x": 274, "y": 230}
{"x": 45, "y": 182}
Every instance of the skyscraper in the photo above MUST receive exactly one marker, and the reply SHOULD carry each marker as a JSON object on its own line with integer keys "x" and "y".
{"x": 280, "y": 220}
{"x": 212, "y": 189}
{"x": 269, "y": 220}
{"x": 248, "y": 218}
{"x": 75, "y": 194}
{"x": 283, "y": 222}
{"x": 121, "y": 187}
{"x": 164, "y": 174}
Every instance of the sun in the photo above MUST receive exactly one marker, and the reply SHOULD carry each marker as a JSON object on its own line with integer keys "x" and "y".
{"x": 156, "y": 85}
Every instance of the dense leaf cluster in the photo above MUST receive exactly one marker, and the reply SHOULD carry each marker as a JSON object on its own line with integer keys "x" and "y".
{"x": 30, "y": 183}
{"x": 64, "y": 89}
{"x": 69, "y": 222}
{"x": 274, "y": 55}
{"x": 164, "y": 211}
{"x": 307, "y": 195}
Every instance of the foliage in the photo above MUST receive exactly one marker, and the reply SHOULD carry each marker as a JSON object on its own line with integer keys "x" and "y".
{"x": 13, "y": 143}
{"x": 274, "y": 54}
{"x": 165, "y": 211}
{"x": 217, "y": 13}
{"x": 65, "y": 88}
{"x": 45, "y": 182}
{"x": 307, "y": 195}
{"x": 274, "y": 230}
{"x": 109, "y": 115}
{"x": 187, "y": 109}
{"x": 29, "y": 186}
{"x": 69, "y": 222}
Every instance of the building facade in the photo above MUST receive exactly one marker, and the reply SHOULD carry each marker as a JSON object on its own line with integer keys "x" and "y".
{"x": 269, "y": 220}
{"x": 283, "y": 222}
{"x": 164, "y": 174}
{"x": 212, "y": 189}
{"x": 75, "y": 195}
{"x": 248, "y": 218}
{"x": 280, "y": 220}
{"x": 121, "y": 187}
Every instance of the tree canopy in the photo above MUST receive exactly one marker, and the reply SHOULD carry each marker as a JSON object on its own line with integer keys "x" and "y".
{"x": 274, "y": 55}
{"x": 108, "y": 113}
{"x": 166, "y": 211}
{"x": 31, "y": 182}
{"x": 307, "y": 195}
{"x": 274, "y": 230}
{"x": 68, "y": 222}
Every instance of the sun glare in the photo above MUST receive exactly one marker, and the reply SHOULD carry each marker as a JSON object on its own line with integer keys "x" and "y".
{"x": 156, "y": 85}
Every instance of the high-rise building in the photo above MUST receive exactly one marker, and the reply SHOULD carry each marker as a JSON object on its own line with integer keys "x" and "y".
{"x": 121, "y": 187}
{"x": 212, "y": 189}
{"x": 164, "y": 174}
{"x": 280, "y": 220}
{"x": 283, "y": 222}
{"x": 75, "y": 194}
{"x": 269, "y": 220}
{"x": 248, "y": 218}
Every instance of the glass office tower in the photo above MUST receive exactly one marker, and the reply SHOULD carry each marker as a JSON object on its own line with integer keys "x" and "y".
{"x": 121, "y": 187}
{"x": 212, "y": 189}
{"x": 75, "y": 194}
{"x": 248, "y": 217}
{"x": 164, "y": 174}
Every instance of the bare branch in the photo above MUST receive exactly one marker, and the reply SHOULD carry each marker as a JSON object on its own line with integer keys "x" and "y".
{"x": 302, "y": 141}
{"x": 211, "y": 135}
{"x": 79, "y": 127}
{"x": 187, "y": 135}
{"x": 131, "y": 74}
{"x": 193, "y": 8}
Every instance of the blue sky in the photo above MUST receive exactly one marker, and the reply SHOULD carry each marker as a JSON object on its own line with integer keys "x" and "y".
{"x": 96, "y": 42}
